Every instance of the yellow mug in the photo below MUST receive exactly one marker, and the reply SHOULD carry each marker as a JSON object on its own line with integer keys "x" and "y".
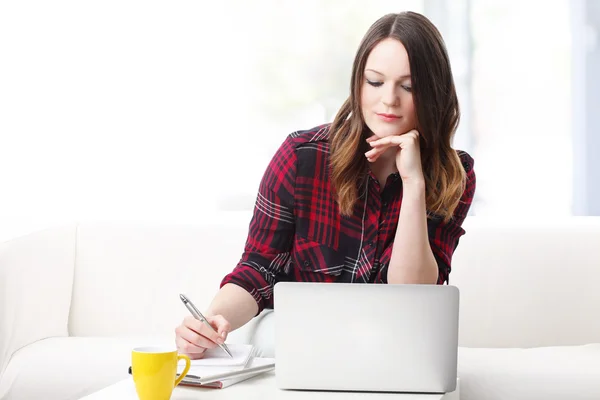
{"x": 154, "y": 371}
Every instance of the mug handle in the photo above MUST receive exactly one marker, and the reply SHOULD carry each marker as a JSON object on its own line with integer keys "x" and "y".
{"x": 188, "y": 364}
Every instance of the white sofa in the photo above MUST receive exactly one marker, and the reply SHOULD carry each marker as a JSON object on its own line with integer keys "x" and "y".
{"x": 74, "y": 300}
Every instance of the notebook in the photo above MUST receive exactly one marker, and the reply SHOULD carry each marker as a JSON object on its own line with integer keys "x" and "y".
{"x": 260, "y": 364}
{"x": 217, "y": 362}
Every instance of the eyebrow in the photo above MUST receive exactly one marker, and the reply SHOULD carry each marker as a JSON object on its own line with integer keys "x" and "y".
{"x": 379, "y": 73}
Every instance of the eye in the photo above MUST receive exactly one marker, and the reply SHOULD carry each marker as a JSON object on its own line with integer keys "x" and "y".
{"x": 407, "y": 88}
{"x": 374, "y": 84}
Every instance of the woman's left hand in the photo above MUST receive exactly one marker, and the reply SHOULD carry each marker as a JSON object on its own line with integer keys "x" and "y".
{"x": 408, "y": 155}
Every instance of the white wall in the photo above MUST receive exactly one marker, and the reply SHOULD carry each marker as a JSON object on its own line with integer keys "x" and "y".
{"x": 160, "y": 110}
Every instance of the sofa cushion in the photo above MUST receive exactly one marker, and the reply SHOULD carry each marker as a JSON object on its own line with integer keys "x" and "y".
{"x": 548, "y": 373}
{"x": 49, "y": 368}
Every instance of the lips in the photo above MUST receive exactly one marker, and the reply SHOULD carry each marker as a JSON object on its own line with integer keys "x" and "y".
{"x": 388, "y": 118}
{"x": 388, "y": 115}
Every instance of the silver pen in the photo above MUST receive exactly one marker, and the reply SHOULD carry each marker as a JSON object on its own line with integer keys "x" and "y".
{"x": 198, "y": 315}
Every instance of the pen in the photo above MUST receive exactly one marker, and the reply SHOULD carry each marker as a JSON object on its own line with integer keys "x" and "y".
{"x": 198, "y": 315}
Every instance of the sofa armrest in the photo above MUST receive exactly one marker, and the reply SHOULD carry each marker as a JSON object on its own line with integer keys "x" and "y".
{"x": 260, "y": 332}
{"x": 36, "y": 280}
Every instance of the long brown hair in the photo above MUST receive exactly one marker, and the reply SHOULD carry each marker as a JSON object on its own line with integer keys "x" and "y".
{"x": 437, "y": 115}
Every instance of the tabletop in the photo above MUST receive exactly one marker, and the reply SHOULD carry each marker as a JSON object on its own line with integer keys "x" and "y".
{"x": 260, "y": 387}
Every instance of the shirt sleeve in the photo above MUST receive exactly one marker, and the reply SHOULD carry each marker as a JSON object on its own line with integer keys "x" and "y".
{"x": 444, "y": 236}
{"x": 271, "y": 230}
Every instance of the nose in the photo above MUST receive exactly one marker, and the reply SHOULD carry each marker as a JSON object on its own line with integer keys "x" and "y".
{"x": 389, "y": 97}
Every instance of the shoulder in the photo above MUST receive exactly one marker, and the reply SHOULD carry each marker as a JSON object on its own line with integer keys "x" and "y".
{"x": 288, "y": 156}
{"x": 315, "y": 137}
{"x": 468, "y": 164}
{"x": 466, "y": 160}
{"x": 306, "y": 147}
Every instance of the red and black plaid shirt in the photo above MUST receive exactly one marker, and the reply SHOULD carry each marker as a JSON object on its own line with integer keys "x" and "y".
{"x": 297, "y": 234}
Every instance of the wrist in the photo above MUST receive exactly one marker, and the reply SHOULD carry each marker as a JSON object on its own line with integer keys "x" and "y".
{"x": 415, "y": 185}
{"x": 413, "y": 192}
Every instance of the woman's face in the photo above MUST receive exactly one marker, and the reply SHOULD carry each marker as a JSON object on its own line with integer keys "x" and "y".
{"x": 386, "y": 100}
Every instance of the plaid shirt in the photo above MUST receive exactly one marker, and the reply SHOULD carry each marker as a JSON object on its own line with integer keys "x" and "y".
{"x": 297, "y": 234}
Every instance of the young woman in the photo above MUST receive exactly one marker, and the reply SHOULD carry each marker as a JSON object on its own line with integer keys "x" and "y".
{"x": 377, "y": 196}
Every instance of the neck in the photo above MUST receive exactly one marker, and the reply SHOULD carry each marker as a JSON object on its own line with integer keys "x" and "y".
{"x": 386, "y": 163}
{"x": 384, "y": 166}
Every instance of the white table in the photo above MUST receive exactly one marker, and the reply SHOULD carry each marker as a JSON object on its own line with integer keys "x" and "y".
{"x": 258, "y": 388}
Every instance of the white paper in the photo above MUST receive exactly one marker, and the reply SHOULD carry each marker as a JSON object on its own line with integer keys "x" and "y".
{"x": 218, "y": 357}
{"x": 207, "y": 371}
{"x": 219, "y": 361}
{"x": 255, "y": 362}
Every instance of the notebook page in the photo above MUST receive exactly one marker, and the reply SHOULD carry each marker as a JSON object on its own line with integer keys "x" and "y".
{"x": 218, "y": 357}
{"x": 220, "y": 361}
{"x": 255, "y": 362}
{"x": 203, "y": 370}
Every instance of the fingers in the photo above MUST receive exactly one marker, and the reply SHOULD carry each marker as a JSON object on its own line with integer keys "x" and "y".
{"x": 374, "y": 154}
{"x": 222, "y": 326}
{"x": 194, "y": 337}
{"x": 190, "y": 342}
{"x": 395, "y": 139}
{"x": 197, "y": 339}
{"x": 380, "y": 145}
{"x": 203, "y": 331}
{"x": 191, "y": 350}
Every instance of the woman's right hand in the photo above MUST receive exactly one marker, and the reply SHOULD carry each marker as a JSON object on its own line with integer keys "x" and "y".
{"x": 193, "y": 337}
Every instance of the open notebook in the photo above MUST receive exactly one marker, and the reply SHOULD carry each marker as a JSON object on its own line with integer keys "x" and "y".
{"x": 255, "y": 366}
{"x": 217, "y": 363}
{"x": 242, "y": 353}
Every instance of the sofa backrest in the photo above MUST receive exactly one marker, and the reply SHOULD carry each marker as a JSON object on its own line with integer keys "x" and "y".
{"x": 523, "y": 282}
{"x": 129, "y": 276}
{"x": 528, "y": 282}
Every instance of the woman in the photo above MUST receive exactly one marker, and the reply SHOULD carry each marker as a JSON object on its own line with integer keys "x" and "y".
{"x": 377, "y": 196}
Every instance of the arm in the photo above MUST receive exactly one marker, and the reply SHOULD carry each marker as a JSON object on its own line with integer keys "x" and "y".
{"x": 235, "y": 304}
{"x": 248, "y": 289}
{"x": 412, "y": 259}
{"x": 422, "y": 250}
{"x": 267, "y": 249}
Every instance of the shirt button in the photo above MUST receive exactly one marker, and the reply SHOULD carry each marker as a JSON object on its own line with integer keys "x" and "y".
{"x": 306, "y": 263}
{"x": 385, "y": 204}
{"x": 371, "y": 244}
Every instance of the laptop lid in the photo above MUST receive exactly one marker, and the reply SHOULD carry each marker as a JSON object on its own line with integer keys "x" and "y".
{"x": 366, "y": 337}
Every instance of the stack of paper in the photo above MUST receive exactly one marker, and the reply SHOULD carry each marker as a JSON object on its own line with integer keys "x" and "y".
{"x": 218, "y": 363}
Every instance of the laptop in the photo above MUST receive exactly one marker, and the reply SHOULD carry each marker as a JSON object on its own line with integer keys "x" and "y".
{"x": 366, "y": 337}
